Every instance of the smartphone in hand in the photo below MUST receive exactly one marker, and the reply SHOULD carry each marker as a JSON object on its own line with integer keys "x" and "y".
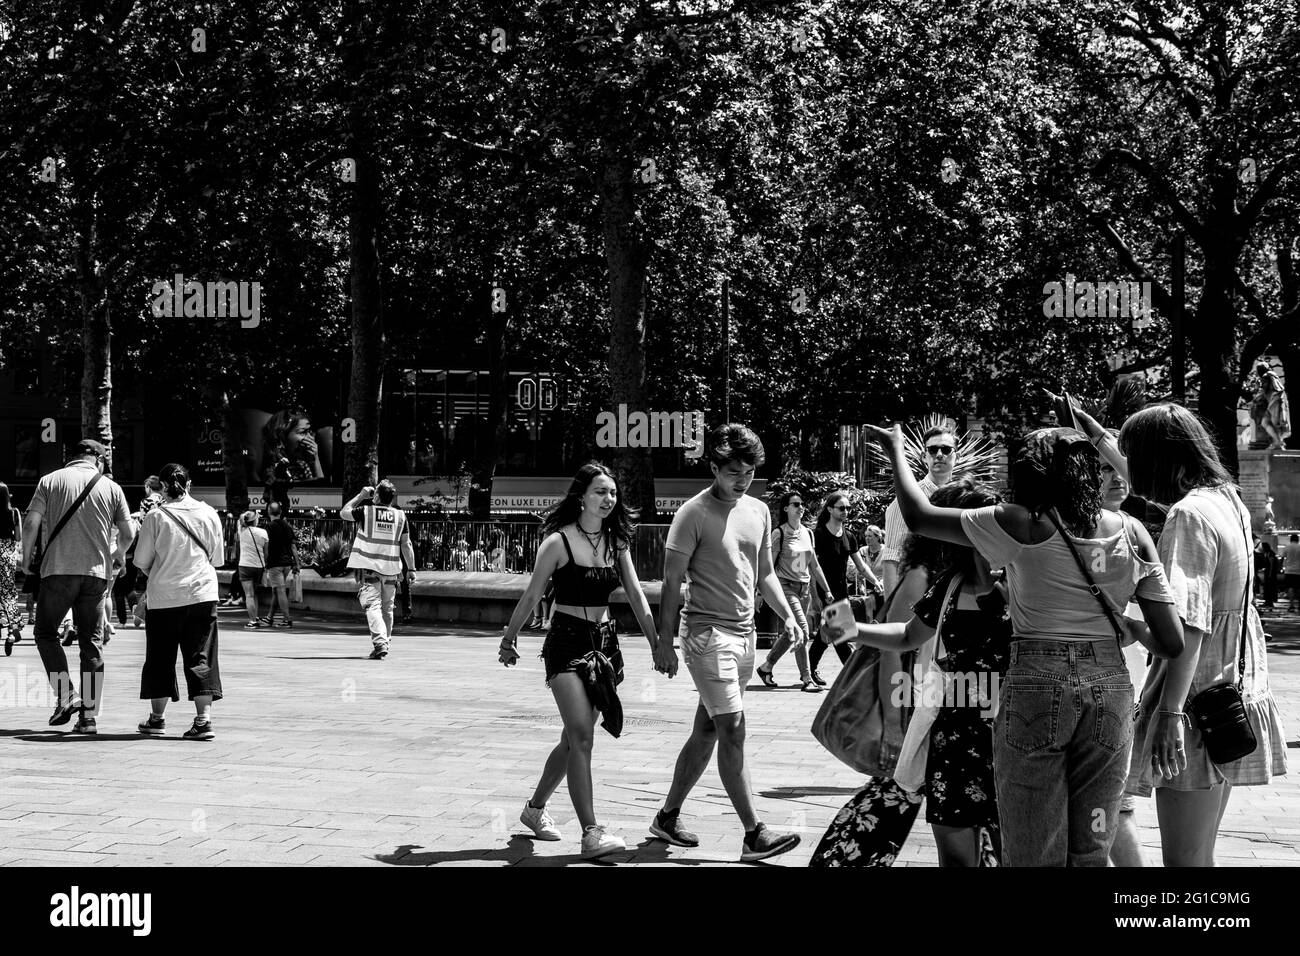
{"x": 838, "y": 621}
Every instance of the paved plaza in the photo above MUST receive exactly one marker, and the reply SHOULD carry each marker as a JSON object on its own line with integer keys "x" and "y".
{"x": 325, "y": 758}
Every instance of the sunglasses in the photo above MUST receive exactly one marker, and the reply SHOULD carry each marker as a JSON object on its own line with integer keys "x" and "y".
{"x": 796, "y": 504}
{"x": 839, "y": 507}
{"x": 939, "y": 449}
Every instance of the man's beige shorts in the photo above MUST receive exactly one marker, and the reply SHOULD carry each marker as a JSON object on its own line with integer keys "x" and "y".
{"x": 721, "y": 662}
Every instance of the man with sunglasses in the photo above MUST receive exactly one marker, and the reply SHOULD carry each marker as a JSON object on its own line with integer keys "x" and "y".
{"x": 940, "y": 458}
{"x": 82, "y": 504}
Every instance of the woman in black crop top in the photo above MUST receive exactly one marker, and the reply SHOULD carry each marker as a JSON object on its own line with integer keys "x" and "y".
{"x": 586, "y": 554}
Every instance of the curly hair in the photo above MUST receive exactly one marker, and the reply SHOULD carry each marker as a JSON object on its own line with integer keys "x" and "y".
{"x": 275, "y": 437}
{"x": 620, "y": 526}
{"x": 1058, "y": 468}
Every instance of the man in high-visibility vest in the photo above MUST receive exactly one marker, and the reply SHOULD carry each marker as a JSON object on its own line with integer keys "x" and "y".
{"x": 382, "y": 541}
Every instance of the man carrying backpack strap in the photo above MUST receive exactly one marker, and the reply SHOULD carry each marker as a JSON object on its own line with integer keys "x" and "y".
{"x": 74, "y": 511}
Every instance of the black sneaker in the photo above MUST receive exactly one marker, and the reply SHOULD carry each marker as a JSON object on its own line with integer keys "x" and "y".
{"x": 63, "y": 712}
{"x": 9, "y": 645}
{"x": 817, "y": 679}
{"x": 378, "y": 654}
{"x": 69, "y": 638}
{"x": 283, "y": 624}
{"x": 199, "y": 730}
{"x": 85, "y": 725}
{"x": 153, "y": 726}
{"x": 763, "y": 843}
{"x": 253, "y": 625}
{"x": 668, "y": 828}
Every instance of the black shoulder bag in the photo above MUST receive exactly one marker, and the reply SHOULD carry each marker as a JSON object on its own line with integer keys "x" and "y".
{"x": 1220, "y": 710}
{"x": 1092, "y": 585}
{"x": 63, "y": 521}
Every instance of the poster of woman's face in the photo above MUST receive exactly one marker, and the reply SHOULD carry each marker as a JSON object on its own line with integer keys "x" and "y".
{"x": 290, "y": 448}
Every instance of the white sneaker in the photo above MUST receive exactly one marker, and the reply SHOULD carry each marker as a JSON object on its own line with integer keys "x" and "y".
{"x": 596, "y": 842}
{"x": 540, "y": 822}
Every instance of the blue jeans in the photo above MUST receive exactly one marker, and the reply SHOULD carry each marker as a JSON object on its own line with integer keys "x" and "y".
{"x": 83, "y": 594}
{"x": 799, "y": 597}
{"x": 1061, "y": 745}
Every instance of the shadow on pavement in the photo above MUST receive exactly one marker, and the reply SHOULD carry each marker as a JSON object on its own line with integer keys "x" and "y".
{"x": 794, "y": 793}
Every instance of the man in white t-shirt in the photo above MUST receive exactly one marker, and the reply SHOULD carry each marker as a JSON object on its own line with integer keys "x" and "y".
{"x": 940, "y": 458}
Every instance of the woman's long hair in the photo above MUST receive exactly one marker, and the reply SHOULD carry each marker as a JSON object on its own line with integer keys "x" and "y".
{"x": 619, "y": 526}
{"x": 784, "y": 503}
{"x": 275, "y": 437}
{"x": 8, "y": 526}
{"x": 824, "y": 515}
{"x": 1170, "y": 452}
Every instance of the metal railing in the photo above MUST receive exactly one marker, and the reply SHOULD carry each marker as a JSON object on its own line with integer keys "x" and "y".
{"x": 444, "y": 544}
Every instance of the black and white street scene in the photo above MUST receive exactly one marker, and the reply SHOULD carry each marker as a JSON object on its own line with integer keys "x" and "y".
{"x": 722, "y": 433}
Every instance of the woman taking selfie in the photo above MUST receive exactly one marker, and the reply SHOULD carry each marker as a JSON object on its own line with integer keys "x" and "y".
{"x": 586, "y": 552}
{"x": 1063, "y": 730}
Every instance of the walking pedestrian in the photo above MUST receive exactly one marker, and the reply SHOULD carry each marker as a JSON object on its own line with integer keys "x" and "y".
{"x": 382, "y": 545}
{"x": 1205, "y": 547}
{"x": 281, "y": 564}
{"x": 73, "y": 511}
{"x": 1269, "y": 564}
{"x": 585, "y": 555}
{"x": 835, "y": 548}
{"x": 1291, "y": 573}
{"x": 1061, "y": 737}
{"x": 254, "y": 548}
{"x": 181, "y": 543}
{"x": 719, "y": 542}
{"x": 11, "y": 557}
{"x": 796, "y": 565}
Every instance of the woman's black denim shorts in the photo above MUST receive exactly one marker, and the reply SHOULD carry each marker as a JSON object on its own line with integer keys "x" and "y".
{"x": 570, "y": 638}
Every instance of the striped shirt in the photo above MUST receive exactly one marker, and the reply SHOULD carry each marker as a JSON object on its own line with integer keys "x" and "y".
{"x": 896, "y": 527}
{"x": 378, "y": 544}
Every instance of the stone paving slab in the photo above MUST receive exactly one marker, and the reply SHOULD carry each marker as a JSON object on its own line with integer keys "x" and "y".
{"x": 324, "y": 758}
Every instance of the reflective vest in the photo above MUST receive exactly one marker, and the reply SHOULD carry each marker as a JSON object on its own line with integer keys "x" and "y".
{"x": 377, "y": 544}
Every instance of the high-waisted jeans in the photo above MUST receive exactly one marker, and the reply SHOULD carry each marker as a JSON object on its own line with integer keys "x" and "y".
{"x": 1061, "y": 745}
{"x": 799, "y": 597}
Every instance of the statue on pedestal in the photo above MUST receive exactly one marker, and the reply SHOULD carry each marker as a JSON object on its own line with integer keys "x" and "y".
{"x": 1270, "y": 409}
{"x": 1270, "y": 525}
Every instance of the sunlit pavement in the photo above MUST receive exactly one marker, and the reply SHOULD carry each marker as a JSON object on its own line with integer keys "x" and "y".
{"x": 323, "y": 757}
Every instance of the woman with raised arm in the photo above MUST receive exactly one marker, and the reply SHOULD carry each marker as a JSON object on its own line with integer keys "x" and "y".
{"x": 586, "y": 553}
{"x": 1063, "y": 730}
{"x": 1169, "y": 456}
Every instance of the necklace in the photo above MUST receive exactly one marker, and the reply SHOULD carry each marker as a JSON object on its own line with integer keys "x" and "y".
{"x": 593, "y": 539}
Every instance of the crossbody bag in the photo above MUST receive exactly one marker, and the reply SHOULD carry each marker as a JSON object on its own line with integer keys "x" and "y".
{"x": 1220, "y": 710}
{"x": 186, "y": 528}
{"x": 63, "y": 522}
{"x": 1092, "y": 585}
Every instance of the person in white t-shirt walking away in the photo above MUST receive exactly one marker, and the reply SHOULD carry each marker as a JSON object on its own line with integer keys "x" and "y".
{"x": 719, "y": 543}
{"x": 181, "y": 543}
{"x": 253, "y": 545}
{"x": 74, "y": 511}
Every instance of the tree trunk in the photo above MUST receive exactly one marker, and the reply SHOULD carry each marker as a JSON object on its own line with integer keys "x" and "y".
{"x": 96, "y": 344}
{"x": 1213, "y": 340}
{"x": 627, "y": 256}
{"x": 365, "y": 389}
